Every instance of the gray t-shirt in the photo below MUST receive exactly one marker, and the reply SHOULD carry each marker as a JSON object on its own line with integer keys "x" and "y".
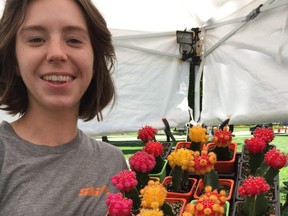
{"x": 68, "y": 180}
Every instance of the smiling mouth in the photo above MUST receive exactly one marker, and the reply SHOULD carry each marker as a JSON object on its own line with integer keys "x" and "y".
{"x": 57, "y": 79}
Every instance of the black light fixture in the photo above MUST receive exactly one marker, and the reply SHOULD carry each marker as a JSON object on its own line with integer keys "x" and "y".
{"x": 188, "y": 41}
{"x": 185, "y": 37}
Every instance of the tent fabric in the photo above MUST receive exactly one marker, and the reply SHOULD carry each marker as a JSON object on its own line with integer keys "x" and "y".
{"x": 244, "y": 78}
{"x": 149, "y": 86}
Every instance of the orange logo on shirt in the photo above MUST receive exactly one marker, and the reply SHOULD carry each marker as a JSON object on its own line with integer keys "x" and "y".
{"x": 94, "y": 192}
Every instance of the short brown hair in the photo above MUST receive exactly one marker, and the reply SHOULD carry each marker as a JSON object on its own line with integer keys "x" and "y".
{"x": 13, "y": 92}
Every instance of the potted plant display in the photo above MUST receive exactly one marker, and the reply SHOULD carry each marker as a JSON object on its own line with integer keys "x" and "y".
{"x": 179, "y": 184}
{"x": 155, "y": 149}
{"x": 225, "y": 150}
{"x": 198, "y": 138}
{"x": 211, "y": 202}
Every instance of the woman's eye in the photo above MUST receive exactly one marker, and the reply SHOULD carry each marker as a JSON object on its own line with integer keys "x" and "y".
{"x": 36, "y": 40}
{"x": 74, "y": 41}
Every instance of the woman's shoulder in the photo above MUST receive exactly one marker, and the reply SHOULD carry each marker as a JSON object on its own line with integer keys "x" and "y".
{"x": 3, "y": 125}
{"x": 2, "y": 148}
{"x": 100, "y": 145}
{"x": 105, "y": 151}
{"x": 7, "y": 134}
{"x": 4, "y": 130}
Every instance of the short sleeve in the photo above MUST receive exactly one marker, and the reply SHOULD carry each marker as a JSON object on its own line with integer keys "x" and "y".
{"x": 2, "y": 153}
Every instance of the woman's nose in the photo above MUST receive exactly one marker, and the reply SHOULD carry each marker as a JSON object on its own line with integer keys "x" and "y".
{"x": 56, "y": 51}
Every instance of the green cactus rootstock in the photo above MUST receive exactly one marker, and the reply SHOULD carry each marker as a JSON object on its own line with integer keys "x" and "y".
{"x": 195, "y": 146}
{"x": 223, "y": 154}
{"x": 185, "y": 178}
{"x": 177, "y": 176}
{"x": 142, "y": 179}
{"x": 134, "y": 195}
{"x": 167, "y": 209}
{"x": 159, "y": 165}
{"x": 255, "y": 161}
{"x": 211, "y": 179}
{"x": 267, "y": 172}
{"x": 255, "y": 205}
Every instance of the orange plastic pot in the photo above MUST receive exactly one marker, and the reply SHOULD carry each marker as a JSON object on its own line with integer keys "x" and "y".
{"x": 185, "y": 145}
{"x": 222, "y": 182}
{"x": 225, "y": 167}
{"x": 182, "y": 145}
{"x": 187, "y": 196}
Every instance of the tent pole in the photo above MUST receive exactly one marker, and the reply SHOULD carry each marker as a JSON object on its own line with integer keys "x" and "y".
{"x": 191, "y": 88}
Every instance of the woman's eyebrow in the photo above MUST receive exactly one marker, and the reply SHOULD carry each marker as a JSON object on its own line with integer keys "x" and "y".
{"x": 75, "y": 28}
{"x": 31, "y": 28}
{"x": 40, "y": 28}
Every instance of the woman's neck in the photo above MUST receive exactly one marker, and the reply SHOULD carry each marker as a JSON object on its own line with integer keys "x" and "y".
{"x": 46, "y": 129}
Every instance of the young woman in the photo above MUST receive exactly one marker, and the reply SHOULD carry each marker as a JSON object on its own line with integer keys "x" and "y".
{"x": 56, "y": 57}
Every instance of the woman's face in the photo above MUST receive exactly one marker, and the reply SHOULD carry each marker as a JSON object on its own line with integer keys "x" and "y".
{"x": 54, "y": 54}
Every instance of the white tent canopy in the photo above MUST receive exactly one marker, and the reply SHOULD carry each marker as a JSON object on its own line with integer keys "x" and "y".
{"x": 244, "y": 76}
